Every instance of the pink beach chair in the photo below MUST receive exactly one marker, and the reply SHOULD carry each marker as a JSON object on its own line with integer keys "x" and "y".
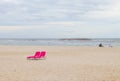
{"x": 41, "y": 55}
{"x": 35, "y": 55}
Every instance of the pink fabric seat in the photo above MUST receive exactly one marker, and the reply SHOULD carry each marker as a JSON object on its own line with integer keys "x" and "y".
{"x": 43, "y": 53}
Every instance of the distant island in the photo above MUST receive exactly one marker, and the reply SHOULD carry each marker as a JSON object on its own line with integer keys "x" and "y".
{"x": 75, "y": 39}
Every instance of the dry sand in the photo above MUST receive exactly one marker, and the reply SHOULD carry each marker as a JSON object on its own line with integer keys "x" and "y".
{"x": 62, "y": 63}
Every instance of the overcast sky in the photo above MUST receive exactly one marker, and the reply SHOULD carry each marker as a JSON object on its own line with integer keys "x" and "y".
{"x": 59, "y": 18}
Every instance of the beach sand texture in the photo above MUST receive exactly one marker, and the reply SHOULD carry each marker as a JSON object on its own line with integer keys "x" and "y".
{"x": 62, "y": 63}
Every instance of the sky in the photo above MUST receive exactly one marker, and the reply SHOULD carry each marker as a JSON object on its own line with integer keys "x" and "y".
{"x": 59, "y": 19}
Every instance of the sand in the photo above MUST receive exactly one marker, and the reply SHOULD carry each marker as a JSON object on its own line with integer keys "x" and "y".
{"x": 62, "y": 63}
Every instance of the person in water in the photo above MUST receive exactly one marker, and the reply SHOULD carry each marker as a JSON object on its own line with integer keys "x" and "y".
{"x": 101, "y": 45}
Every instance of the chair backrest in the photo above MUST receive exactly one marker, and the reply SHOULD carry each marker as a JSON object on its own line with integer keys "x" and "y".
{"x": 43, "y": 53}
{"x": 37, "y": 53}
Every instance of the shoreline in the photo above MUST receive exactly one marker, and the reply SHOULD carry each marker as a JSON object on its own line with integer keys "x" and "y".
{"x": 60, "y": 42}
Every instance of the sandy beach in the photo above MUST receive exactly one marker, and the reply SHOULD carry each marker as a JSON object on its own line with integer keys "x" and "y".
{"x": 62, "y": 63}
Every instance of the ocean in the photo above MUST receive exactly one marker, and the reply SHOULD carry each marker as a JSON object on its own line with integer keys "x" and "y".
{"x": 61, "y": 42}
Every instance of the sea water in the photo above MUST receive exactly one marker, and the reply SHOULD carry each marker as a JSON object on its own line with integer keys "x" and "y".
{"x": 59, "y": 42}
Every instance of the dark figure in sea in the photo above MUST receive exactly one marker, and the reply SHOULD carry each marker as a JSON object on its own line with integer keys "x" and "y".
{"x": 100, "y": 45}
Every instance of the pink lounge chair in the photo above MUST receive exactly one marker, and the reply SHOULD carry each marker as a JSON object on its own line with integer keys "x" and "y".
{"x": 35, "y": 55}
{"x": 41, "y": 55}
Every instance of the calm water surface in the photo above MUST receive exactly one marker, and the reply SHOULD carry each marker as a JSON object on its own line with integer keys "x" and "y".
{"x": 59, "y": 42}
